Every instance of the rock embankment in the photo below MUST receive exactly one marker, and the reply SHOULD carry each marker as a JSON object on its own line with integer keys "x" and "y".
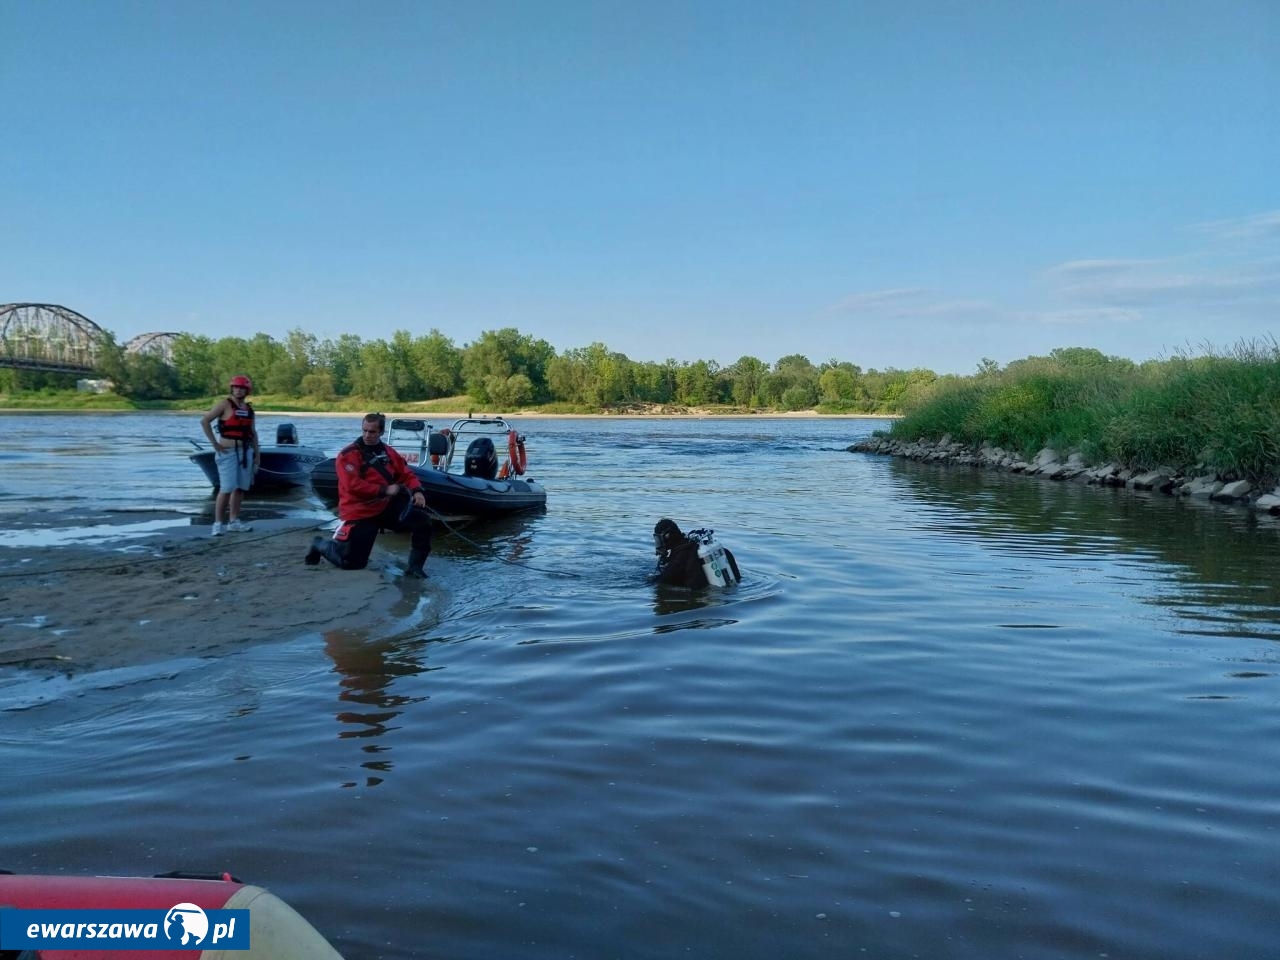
{"x": 1051, "y": 464}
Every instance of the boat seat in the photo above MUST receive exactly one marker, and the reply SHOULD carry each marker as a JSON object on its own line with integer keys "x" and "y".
{"x": 438, "y": 445}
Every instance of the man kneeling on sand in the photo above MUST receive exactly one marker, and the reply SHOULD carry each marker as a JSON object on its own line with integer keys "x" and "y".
{"x": 376, "y": 491}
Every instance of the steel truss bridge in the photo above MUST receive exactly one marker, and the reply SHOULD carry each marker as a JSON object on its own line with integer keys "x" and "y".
{"x": 49, "y": 338}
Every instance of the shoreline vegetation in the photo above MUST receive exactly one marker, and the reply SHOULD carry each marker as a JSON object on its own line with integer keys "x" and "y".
{"x": 1216, "y": 413}
{"x": 500, "y": 370}
{"x": 1204, "y": 426}
{"x": 57, "y": 404}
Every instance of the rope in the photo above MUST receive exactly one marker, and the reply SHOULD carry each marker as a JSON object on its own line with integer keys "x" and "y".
{"x": 515, "y": 563}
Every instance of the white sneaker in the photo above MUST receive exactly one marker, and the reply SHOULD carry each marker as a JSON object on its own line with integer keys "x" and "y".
{"x": 216, "y": 529}
{"x": 235, "y": 526}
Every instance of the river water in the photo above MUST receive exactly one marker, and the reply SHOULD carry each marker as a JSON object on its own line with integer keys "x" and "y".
{"x": 947, "y": 713}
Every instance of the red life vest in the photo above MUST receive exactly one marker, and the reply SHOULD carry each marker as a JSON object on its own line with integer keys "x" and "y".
{"x": 239, "y": 424}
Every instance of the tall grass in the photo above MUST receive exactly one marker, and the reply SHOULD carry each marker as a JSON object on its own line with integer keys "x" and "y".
{"x": 1216, "y": 412}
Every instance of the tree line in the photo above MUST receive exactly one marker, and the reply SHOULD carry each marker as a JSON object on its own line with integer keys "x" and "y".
{"x": 501, "y": 369}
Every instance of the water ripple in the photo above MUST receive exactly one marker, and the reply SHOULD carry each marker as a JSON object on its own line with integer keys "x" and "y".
{"x": 946, "y": 714}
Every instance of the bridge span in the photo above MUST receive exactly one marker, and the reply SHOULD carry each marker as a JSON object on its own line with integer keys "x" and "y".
{"x": 49, "y": 338}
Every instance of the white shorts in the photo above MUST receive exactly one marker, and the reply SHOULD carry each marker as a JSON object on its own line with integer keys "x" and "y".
{"x": 233, "y": 474}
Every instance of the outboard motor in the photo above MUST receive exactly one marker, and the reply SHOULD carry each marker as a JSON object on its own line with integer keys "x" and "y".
{"x": 286, "y": 434}
{"x": 482, "y": 459}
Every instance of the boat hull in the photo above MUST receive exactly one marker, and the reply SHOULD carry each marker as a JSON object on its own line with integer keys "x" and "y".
{"x": 451, "y": 494}
{"x": 282, "y": 467}
{"x": 277, "y": 932}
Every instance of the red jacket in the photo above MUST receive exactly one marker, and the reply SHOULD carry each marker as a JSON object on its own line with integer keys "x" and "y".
{"x": 362, "y": 487}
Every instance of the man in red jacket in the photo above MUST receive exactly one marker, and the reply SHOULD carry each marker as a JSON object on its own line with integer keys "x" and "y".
{"x": 376, "y": 491}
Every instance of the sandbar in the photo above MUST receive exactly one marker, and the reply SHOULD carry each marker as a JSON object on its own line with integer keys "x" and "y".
{"x": 181, "y": 593}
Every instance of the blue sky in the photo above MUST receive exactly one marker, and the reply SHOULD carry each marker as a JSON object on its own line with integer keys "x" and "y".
{"x": 895, "y": 184}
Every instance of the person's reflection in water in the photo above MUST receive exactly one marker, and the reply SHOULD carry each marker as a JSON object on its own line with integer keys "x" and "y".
{"x": 368, "y": 671}
{"x": 668, "y": 600}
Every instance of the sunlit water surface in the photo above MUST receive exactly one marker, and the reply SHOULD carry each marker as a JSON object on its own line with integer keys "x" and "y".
{"x": 947, "y": 713}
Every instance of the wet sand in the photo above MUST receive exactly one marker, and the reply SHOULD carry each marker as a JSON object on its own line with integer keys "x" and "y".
{"x": 182, "y": 593}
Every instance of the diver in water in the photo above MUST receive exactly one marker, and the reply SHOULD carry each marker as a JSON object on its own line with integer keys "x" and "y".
{"x": 692, "y": 560}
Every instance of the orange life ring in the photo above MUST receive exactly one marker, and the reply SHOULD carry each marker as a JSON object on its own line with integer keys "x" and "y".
{"x": 515, "y": 452}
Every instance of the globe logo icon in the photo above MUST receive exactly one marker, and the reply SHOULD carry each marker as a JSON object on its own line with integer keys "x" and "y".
{"x": 186, "y": 925}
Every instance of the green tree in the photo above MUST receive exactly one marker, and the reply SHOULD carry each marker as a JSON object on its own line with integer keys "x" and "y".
{"x": 318, "y": 384}
{"x": 594, "y": 375}
{"x": 294, "y": 359}
{"x": 838, "y": 385}
{"x": 747, "y": 376}
{"x": 194, "y": 361}
{"x": 262, "y": 355}
{"x": 1086, "y": 357}
{"x": 501, "y": 354}
{"x": 656, "y": 382}
{"x": 614, "y": 375}
{"x": 987, "y": 368}
{"x": 146, "y": 376}
{"x": 341, "y": 358}
{"x": 696, "y": 383}
{"x": 408, "y": 383}
{"x": 437, "y": 364}
{"x": 513, "y": 391}
{"x": 382, "y": 375}
{"x": 899, "y": 387}
{"x": 230, "y": 358}
{"x": 110, "y": 363}
{"x": 567, "y": 377}
{"x": 793, "y": 384}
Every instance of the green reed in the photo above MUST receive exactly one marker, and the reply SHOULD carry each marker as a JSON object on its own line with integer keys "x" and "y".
{"x": 1217, "y": 412}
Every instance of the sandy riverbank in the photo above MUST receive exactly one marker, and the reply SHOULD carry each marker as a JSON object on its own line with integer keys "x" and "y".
{"x": 184, "y": 594}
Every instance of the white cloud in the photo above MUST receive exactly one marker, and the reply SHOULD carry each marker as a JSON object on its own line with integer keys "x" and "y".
{"x": 1226, "y": 285}
{"x": 1190, "y": 281}
{"x": 1078, "y": 270}
{"x": 876, "y": 300}
{"x": 1180, "y": 288}
{"x": 907, "y": 302}
{"x": 1258, "y": 226}
{"x": 1086, "y": 316}
{"x": 955, "y": 308}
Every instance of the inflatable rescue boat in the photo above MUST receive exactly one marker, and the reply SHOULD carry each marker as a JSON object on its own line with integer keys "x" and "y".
{"x": 474, "y": 484}
{"x": 276, "y": 930}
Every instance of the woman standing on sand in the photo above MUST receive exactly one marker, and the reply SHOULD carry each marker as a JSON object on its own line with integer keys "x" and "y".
{"x": 236, "y": 435}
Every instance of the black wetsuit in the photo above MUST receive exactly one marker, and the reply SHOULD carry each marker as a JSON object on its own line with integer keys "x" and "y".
{"x": 682, "y": 567}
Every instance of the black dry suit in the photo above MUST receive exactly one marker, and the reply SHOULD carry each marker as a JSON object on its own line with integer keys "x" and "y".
{"x": 678, "y": 560}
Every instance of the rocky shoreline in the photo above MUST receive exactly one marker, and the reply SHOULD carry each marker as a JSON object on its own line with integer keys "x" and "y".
{"x": 1050, "y": 464}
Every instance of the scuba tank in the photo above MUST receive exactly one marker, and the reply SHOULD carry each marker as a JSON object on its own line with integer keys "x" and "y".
{"x": 715, "y": 564}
